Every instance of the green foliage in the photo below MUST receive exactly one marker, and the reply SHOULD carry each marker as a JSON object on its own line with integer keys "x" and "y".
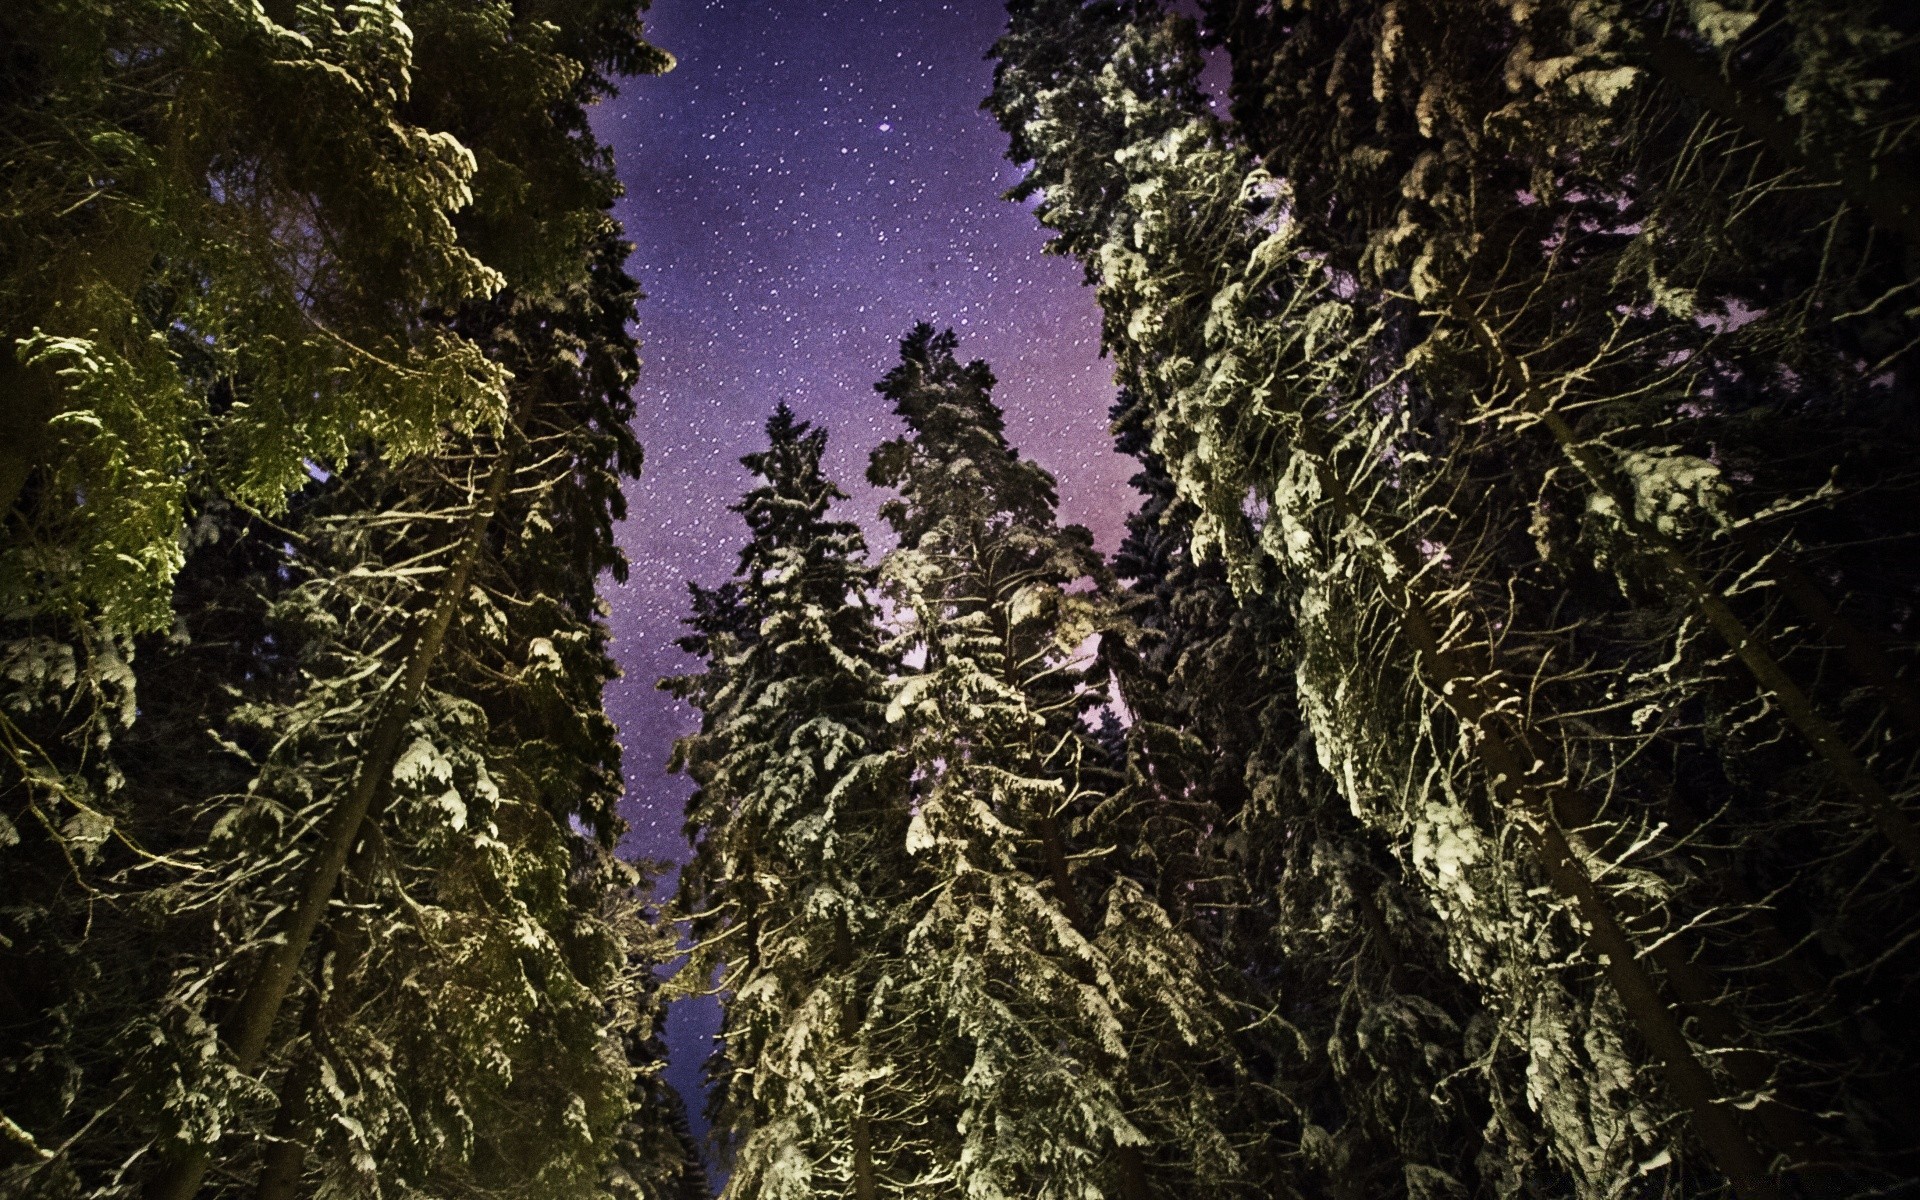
{"x": 257, "y": 300}
{"x": 223, "y": 230}
{"x": 1448, "y": 346}
{"x": 800, "y": 876}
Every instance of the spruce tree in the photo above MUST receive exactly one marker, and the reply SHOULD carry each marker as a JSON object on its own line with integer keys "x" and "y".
{"x": 268, "y": 196}
{"x": 1361, "y": 1056}
{"x": 799, "y": 880}
{"x": 232, "y": 243}
{"x": 524, "y": 669}
{"x": 387, "y": 943}
{"x": 1324, "y": 468}
{"x": 369, "y": 800}
{"x": 1710, "y": 438}
{"x": 1080, "y": 1039}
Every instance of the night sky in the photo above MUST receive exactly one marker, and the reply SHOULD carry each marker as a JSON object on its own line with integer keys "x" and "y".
{"x": 810, "y": 181}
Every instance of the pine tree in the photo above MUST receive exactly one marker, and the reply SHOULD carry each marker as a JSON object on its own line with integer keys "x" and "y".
{"x": 1080, "y": 1039}
{"x": 1367, "y": 1031}
{"x": 1323, "y": 466}
{"x": 800, "y": 877}
{"x": 427, "y": 794}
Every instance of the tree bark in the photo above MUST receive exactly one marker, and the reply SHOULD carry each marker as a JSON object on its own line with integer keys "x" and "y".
{"x": 252, "y": 1020}
{"x": 285, "y": 1159}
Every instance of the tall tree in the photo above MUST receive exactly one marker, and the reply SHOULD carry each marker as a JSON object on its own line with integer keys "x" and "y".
{"x": 1711, "y": 431}
{"x": 800, "y": 878}
{"x": 365, "y": 830}
{"x": 1365, "y": 1032}
{"x": 232, "y": 241}
{"x": 1330, "y": 459}
{"x": 521, "y": 708}
{"x": 1080, "y": 1036}
{"x": 424, "y": 798}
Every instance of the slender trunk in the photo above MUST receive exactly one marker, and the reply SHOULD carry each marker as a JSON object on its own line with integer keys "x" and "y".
{"x": 1747, "y": 644}
{"x": 1520, "y": 774}
{"x": 863, "y": 1188}
{"x": 252, "y": 1020}
{"x": 1053, "y": 846}
{"x": 285, "y": 1159}
{"x": 1888, "y": 190}
{"x": 750, "y": 901}
{"x": 1826, "y": 741}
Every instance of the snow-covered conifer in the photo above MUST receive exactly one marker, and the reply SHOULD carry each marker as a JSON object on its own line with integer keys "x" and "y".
{"x": 1613, "y": 262}
{"x": 800, "y": 879}
{"x": 384, "y": 942}
{"x": 1361, "y": 1056}
{"x": 1082, "y": 1042}
{"x": 1291, "y": 409}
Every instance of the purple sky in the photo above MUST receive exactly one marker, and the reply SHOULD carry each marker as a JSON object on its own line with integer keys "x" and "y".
{"x": 811, "y": 180}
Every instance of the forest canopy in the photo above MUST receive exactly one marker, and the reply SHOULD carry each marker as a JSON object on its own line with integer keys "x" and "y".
{"x": 1486, "y": 767}
{"x": 318, "y": 370}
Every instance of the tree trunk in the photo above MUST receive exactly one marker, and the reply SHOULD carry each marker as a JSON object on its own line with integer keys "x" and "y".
{"x": 1519, "y": 778}
{"x": 251, "y": 1023}
{"x": 1888, "y": 190}
{"x": 1748, "y": 645}
{"x": 285, "y": 1159}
